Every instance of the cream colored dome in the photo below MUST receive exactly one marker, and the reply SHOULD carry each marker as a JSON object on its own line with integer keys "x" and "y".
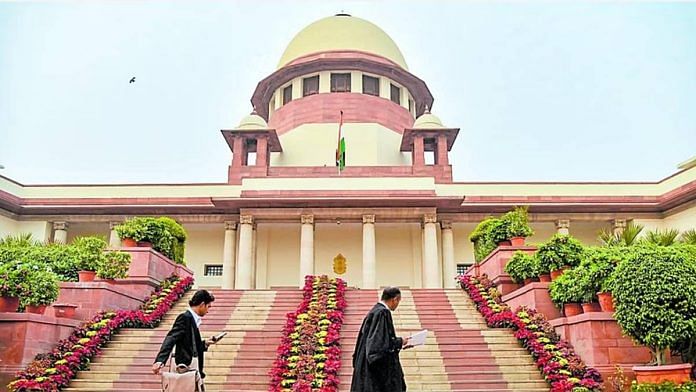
{"x": 342, "y": 32}
{"x": 428, "y": 121}
{"x": 252, "y": 121}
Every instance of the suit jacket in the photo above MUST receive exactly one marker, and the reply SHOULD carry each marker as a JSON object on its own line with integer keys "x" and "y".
{"x": 180, "y": 336}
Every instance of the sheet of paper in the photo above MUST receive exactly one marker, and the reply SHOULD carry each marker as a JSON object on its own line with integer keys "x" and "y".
{"x": 418, "y": 338}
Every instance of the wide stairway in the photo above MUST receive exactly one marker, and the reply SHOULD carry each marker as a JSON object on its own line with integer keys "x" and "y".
{"x": 239, "y": 362}
{"x": 461, "y": 353}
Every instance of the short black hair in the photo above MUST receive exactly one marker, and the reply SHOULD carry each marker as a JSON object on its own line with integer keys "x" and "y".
{"x": 390, "y": 292}
{"x": 201, "y": 297}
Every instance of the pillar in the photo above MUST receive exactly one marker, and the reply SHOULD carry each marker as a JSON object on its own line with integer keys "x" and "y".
{"x": 563, "y": 226}
{"x": 418, "y": 151}
{"x": 306, "y": 247}
{"x": 618, "y": 226}
{"x": 449, "y": 266}
{"x": 369, "y": 254}
{"x": 244, "y": 258}
{"x": 262, "y": 151}
{"x": 114, "y": 240}
{"x": 431, "y": 275}
{"x": 441, "y": 157}
{"x": 60, "y": 233}
{"x": 228, "y": 253}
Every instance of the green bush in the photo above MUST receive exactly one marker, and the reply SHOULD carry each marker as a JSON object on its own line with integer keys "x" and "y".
{"x": 90, "y": 252}
{"x": 655, "y": 297}
{"x": 567, "y": 288}
{"x": 11, "y": 281}
{"x": 522, "y": 266}
{"x": 666, "y": 386}
{"x": 516, "y": 223}
{"x": 559, "y": 251}
{"x": 42, "y": 288}
{"x": 165, "y": 235}
{"x": 600, "y": 263}
{"x": 484, "y": 237}
{"x": 179, "y": 234}
{"x": 114, "y": 266}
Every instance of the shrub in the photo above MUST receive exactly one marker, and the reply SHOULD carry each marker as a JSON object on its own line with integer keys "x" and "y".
{"x": 567, "y": 288}
{"x": 114, "y": 266}
{"x": 484, "y": 237}
{"x": 559, "y": 251}
{"x": 600, "y": 264}
{"x": 666, "y": 386}
{"x": 165, "y": 235}
{"x": 516, "y": 223}
{"x": 179, "y": 234}
{"x": 42, "y": 288}
{"x": 90, "y": 252}
{"x": 655, "y": 297}
{"x": 667, "y": 237}
{"x": 689, "y": 237}
{"x": 11, "y": 281}
{"x": 627, "y": 236}
{"x": 522, "y": 266}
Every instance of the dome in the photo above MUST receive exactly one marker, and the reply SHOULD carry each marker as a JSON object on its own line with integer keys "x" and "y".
{"x": 428, "y": 121}
{"x": 252, "y": 121}
{"x": 342, "y": 32}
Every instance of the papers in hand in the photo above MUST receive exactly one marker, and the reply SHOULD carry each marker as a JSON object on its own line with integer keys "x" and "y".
{"x": 418, "y": 338}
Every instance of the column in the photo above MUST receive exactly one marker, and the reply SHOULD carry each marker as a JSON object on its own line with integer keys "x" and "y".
{"x": 369, "y": 254}
{"x": 418, "y": 151}
{"x": 450, "y": 267}
{"x": 431, "y": 278}
{"x": 114, "y": 241}
{"x": 238, "y": 152}
{"x": 441, "y": 157}
{"x": 262, "y": 151}
{"x": 228, "y": 251}
{"x": 244, "y": 259}
{"x": 618, "y": 226}
{"x": 60, "y": 234}
{"x": 306, "y": 247}
{"x": 563, "y": 226}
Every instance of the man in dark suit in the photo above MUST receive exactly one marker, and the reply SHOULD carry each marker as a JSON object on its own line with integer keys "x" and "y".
{"x": 376, "y": 366}
{"x": 185, "y": 332}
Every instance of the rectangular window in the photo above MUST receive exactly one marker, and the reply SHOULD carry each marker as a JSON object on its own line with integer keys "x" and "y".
{"x": 213, "y": 270}
{"x": 287, "y": 94}
{"x": 310, "y": 85}
{"x": 410, "y": 107}
{"x": 340, "y": 83}
{"x": 370, "y": 85}
{"x": 395, "y": 95}
{"x": 461, "y": 269}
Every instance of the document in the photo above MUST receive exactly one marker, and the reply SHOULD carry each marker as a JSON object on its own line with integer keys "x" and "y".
{"x": 418, "y": 338}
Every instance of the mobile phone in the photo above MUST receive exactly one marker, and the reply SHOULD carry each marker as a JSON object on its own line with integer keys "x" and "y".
{"x": 219, "y": 336}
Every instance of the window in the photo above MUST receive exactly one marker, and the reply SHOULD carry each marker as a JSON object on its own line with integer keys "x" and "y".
{"x": 395, "y": 95}
{"x": 461, "y": 269}
{"x": 410, "y": 107}
{"x": 287, "y": 94}
{"x": 213, "y": 270}
{"x": 370, "y": 85}
{"x": 310, "y": 85}
{"x": 340, "y": 83}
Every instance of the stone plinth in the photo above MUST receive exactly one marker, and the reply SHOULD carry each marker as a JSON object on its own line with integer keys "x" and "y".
{"x": 494, "y": 266}
{"x": 23, "y": 335}
{"x": 536, "y": 296}
{"x": 597, "y": 338}
{"x": 93, "y": 297}
{"x": 149, "y": 265}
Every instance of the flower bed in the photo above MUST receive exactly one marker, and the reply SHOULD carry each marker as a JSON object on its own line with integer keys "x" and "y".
{"x": 309, "y": 355}
{"x": 559, "y": 364}
{"x": 53, "y": 371}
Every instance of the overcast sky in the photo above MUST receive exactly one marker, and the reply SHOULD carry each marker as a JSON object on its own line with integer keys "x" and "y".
{"x": 541, "y": 91}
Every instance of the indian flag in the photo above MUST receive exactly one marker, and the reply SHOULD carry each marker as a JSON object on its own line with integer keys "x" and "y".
{"x": 341, "y": 149}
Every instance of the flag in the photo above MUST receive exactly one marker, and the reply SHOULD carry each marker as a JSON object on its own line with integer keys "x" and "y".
{"x": 341, "y": 148}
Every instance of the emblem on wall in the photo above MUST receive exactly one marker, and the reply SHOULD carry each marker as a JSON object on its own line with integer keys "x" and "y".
{"x": 339, "y": 264}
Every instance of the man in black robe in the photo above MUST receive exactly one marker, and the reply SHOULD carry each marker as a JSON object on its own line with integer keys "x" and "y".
{"x": 376, "y": 366}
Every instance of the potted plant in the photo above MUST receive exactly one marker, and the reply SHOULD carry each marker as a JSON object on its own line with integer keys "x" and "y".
{"x": 130, "y": 232}
{"x": 559, "y": 253}
{"x": 11, "y": 288}
{"x": 522, "y": 267}
{"x": 44, "y": 291}
{"x": 90, "y": 253}
{"x": 655, "y": 304}
{"x": 483, "y": 238}
{"x": 602, "y": 263}
{"x": 566, "y": 294}
{"x": 177, "y": 231}
{"x": 114, "y": 266}
{"x": 516, "y": 223}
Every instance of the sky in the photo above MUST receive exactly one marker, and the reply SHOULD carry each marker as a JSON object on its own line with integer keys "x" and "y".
{"x": 542, "y": 91}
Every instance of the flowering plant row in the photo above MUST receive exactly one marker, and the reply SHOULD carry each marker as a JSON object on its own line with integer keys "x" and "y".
{"x": 53, "y": 371}
{"x": 558, "y": 362}
{"x": 309, "y": 355}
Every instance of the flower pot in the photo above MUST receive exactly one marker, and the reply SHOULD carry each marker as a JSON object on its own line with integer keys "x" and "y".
{"x": 86, "y": 276}
{"x": 129, "y": 242}
{"x": 36, "y": 309}
{"x": 517, "y": 241}
{"x": 9, "y": 304}
{"x": 591, "y": 307}
{"x": 606, "y": 302}
{"x": 64, "y": 310}
{"x": 572, "y": 309}
{"x": 656, "y": 374}
{"x": 144, "y": 244}
{"x": 528, "y": 280}
{"x": 555, "y": 274}
{"x": 545, "y": 278}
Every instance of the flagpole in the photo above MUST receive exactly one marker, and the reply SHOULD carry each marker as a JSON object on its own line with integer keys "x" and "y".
{"x": 338, "y": 145}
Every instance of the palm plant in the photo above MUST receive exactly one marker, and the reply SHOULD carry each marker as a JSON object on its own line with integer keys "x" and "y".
{"x": 689, "y": 237}
{"x": 21, "y": 240}
{"x": 668, "y": 237}
{"x": 627, "y": 237}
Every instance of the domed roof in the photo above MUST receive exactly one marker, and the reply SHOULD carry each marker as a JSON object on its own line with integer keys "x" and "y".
{"x": 252, "y": 121}
{"x": 342, "y": 32}
{"x": 428, "y": 121}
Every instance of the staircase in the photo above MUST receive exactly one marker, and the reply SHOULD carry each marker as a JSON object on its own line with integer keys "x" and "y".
{"x": 461, "y": 353}
{"x": 253, "y": 320}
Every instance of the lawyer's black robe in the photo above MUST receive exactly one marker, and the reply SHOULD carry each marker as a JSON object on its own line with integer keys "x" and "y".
{"x": 376, "y": 366}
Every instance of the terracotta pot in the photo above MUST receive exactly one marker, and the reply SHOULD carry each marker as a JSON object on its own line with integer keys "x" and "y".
{"x": 86, "y": 276}
{"x": 606, "y": 302}
{"x": 504, "y": 243}
{"x": 591, "y": 307}
{"x": 517, "y": 241}
{"x": 129, "y": 242}
{"x": 545, "y": 278}
{"x": 9, "y": 304}
{"x": 572, "y": 309}
{"x": 528, "y": 281}
{"x": 144, "y": 244}
{"x": 656, "y": 374}
{"x": 64, "y": 310}
{"x": 38, "y": 309}
{"x": 557, "y": 273}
